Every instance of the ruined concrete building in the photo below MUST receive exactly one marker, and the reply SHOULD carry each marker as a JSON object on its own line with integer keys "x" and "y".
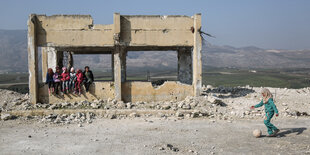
{"x": 77, "y": 34}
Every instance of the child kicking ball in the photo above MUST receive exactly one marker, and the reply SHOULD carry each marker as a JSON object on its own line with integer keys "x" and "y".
{"x": 270, "y": 109}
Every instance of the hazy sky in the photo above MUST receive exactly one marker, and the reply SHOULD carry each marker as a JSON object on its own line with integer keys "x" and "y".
{"x": 279, "y": 24}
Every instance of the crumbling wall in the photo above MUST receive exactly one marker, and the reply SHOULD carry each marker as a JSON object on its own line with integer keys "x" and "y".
{"x": 98, "y": 90}
{"x": 77, "y": 33}
{"x": 157, "y": 30}
{"x": 73, "y": 30}
{"x": 144, "y": 91}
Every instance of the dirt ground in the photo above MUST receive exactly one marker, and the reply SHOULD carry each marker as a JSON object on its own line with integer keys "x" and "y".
{"x": 218, "y": 122}
{"x": 151, "y": 136}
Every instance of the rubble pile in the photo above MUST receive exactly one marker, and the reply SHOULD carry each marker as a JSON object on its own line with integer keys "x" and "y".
{"x": 69, "y": 119}
{"x": 227, "y": 103}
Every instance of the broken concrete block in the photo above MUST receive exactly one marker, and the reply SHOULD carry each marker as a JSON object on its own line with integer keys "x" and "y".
{"x": 166, "y": 107}
{"x": 7, "y": 117}
{"x": 95, "y": 105}
{"x": 186, "y": 107}
{"x": 134, "y": 115}
{"x": 179, "y": 114}
{"x": 216, "y": 101}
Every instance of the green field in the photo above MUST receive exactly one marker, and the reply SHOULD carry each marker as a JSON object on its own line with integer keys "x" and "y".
{"x": 283, "y": 78}
{"x": 266, "y": 78}
{"x": 14, "y": 81}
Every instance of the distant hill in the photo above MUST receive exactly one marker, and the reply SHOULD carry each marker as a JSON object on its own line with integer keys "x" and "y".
{"x": 13, "y": 56}
{"x": 254, "y": 57}
{"x": 13, "y": 50}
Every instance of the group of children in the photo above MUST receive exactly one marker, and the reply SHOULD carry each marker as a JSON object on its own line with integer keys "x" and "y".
{"x": 70, "y": 82}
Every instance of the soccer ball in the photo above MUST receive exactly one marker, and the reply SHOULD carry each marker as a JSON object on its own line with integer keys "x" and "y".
{"x": 257, "y": 133}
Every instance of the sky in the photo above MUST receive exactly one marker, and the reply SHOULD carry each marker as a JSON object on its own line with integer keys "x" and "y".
{"x": 269, "y": 24}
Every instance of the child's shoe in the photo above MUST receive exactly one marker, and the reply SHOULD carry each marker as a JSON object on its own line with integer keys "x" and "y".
{"x": 275, "y": 132}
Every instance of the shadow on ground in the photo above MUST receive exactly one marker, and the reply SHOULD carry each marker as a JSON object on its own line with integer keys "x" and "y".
{"x": 286, "y": 131}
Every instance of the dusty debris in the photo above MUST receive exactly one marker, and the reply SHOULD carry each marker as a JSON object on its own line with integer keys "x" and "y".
{"x": 216, "y": 101}
{"x": 69, "y": 119}
{"x": 134, "y": 115}
{"x": 112, "y": 116}
{"x": 211, "y": 105}
{"x": 171, "y": 147}
{"x": 7, "y": 117}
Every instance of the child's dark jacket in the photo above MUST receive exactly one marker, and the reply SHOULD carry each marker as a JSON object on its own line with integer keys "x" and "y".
{"x": 49, "y": 78}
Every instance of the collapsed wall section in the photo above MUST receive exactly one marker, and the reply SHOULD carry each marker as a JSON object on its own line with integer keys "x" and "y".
{"x": 99, "y": 90}
{"x": 144, "y": 91}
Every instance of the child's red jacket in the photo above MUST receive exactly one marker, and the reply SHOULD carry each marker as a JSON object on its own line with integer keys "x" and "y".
{"x": 79, "y": 77}
{"x": 65, "y": 76}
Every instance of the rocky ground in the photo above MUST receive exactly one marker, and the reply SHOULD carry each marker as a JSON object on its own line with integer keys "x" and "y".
{"x": 215, "y": 103}
{"x": 219, "y": 121}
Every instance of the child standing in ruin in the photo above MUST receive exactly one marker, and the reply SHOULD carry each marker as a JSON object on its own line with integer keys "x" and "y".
{"x": 56, "y": 78}
{"x": 270, "y": 109}
{"x": 50, "y": 80}
{"x": 65, "y": 78}
{"x": 72, "y": 79}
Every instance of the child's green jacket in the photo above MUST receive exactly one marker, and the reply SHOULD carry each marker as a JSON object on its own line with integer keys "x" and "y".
{"x": 269, "y": 106}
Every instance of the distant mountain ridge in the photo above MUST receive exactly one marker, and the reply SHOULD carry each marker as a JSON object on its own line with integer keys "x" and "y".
{"x": 13, "y": 56}
{"x": 13, "y": 50}
{"x": 254, "y": 57}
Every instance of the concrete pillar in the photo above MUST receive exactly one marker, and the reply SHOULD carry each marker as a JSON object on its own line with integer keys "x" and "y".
{"x": 60, "y": 58}
{"x": 32, "y": 59}
{"x": 197, "y": 66}
{"x": 123, "y": 65}
{"x": 117, "y": 73}
{"x": 70, "y": 61}
{"x": 44, "y": 63}
{"x": 148, "y": 76}
{"x": 118, "y": 51}
{"x": 117, "y": 28}
{"x": 112, "y": 65}
{"x": 52, "y": 58}
{"x": 185, "y": 68}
